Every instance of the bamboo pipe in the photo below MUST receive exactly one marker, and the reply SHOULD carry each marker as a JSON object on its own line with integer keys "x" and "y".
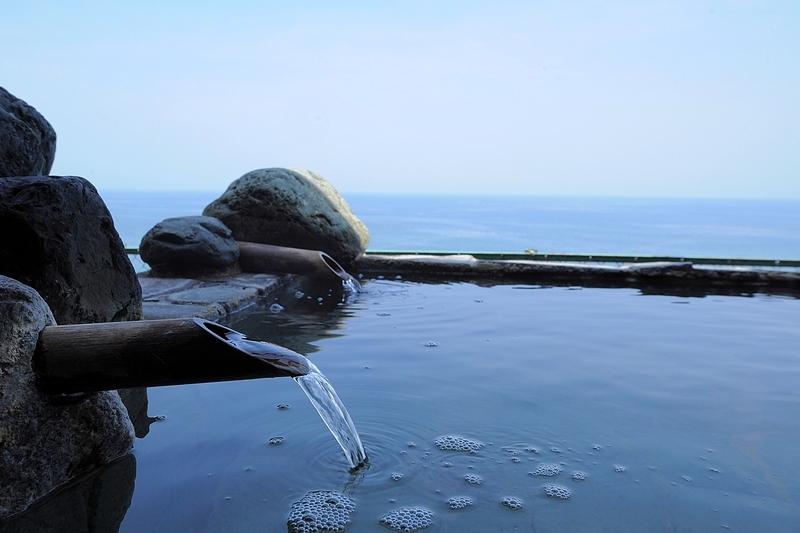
{"x": 257, "y": 257}
{"x": 147, "y": 353}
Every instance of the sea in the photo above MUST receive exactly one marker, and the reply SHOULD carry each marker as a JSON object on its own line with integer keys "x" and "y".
{"x": 739, "y": 228}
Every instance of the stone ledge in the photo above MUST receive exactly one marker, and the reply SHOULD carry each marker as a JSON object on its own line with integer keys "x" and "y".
{"x": 210, "y": 298}
{"x": 669, "y": 276}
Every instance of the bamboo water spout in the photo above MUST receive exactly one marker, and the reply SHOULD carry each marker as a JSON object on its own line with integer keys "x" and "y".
{"x": 257, "y": 257}
{"x": 94, "y": 357}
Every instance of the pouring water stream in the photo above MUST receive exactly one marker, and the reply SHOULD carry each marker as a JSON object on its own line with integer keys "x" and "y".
{"x": 316, "y": 386}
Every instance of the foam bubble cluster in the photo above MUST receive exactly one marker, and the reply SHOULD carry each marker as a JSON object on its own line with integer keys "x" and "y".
{"x": 408, "y": 519}
{"x": 511, "y": 502}
{"x": 275, "y": 441}
{"x": 431, "y": 344}
{"x": 459, "y": 502}
{"x": 397, "y": 476}
{"x": 473, "y": 479}
{"x": 454, "y": 443}
{"x": 320, "y": 510}
{"x": 579, "y": 475}
{"x": 620, "y": 468}
{"x": 547, "y": 469}
{"x": 557, "y": 491}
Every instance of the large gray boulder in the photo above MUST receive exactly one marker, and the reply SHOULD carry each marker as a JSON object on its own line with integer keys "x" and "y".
{"x": 294, "y": 208}
{"x": 27, "y": 140}
{"x": 44, "y": 445}
{"x": 59, "y": 238}
{"x": 189, "y": 246}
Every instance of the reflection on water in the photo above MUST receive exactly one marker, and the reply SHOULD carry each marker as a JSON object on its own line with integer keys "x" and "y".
{"x": 135, "y": 402}
{"x": 93, "y": 504}
{"x": 653, "y": 416}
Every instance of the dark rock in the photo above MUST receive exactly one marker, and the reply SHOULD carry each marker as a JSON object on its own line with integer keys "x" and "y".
{"x": 44, "y": 445}
{"x": 189, "y": 246}
{"x": 59, "y": 238}
{"x": 27, "y": 140}
{"x": 291, "y": 208}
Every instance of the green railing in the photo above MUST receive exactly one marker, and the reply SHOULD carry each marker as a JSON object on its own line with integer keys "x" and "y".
{"x": 531, "y": 255}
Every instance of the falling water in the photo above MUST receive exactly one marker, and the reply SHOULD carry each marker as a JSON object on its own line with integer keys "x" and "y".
{"x": 316, "y": 386}
{"x": 350, "y": 286}
{"x": 333, "y": 412}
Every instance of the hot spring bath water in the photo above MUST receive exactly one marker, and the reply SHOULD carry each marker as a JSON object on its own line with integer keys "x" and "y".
{"x": 505, "y": 408}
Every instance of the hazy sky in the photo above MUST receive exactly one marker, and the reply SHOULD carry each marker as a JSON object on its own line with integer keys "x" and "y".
{"x": 633, "y": 98}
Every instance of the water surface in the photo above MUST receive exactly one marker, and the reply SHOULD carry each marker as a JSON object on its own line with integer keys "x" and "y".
{"x": 697, "y": 398}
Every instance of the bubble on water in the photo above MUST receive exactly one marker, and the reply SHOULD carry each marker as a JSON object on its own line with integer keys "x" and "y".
{"x": 320, "y": 510}
{"x": 275, "y": 308}
{"x": 512, "y": 502}
{"x": 447, "y": 464}
{"x": 620, "y": 468}
{"x": 555, "y": 449}
{"x": 596, "y": 447}
{"x": 473, "y": 479}
{"x": 532, "y": 449}
{"x": 579, "y": 475}
{"x": 515, "y": 459}
{"x": 283, "y": 406}
{"x": 384, "y": 314}
{"x": 411, "y": 444}
{"x": 547, "y": 469}
{"x": 298, "y": 294}
{"x": 275, "y": 441}
{"x": 431, "y": 344}
{"x": 396, "y": 476}
{"x": 687, "y": 479}
{"x": 460, "y": 502}
{"x": 158, "y": 418}
{"x": 557, "y": 491}
{"x": 408, "y": 519}
{"x": 715, "y": 470}
{"x": 454, "y": 443}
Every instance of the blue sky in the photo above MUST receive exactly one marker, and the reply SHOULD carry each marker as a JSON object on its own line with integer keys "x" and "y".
{"x": 671, "y": 98}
